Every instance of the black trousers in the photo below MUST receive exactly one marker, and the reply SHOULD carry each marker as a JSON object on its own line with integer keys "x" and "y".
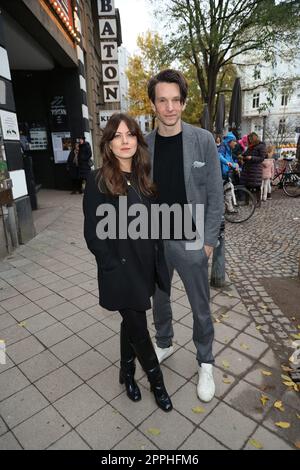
{"x": 135, "y": 325}
{"x": 76, "y": 184}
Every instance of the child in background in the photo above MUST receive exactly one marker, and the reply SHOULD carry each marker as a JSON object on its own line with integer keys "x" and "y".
{"x": 268, "y": 173}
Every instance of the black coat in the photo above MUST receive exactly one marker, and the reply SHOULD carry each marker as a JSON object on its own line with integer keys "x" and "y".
{"x": 128, "y": 270}
{"x": 251, "y": 175}
{"x": 71, "y": 167}
{"x": 84, "y": 155}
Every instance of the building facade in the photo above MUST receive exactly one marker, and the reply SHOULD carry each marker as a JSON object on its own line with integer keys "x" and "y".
{"x": 276, "y": 121}
{"x": 53, "y": 85}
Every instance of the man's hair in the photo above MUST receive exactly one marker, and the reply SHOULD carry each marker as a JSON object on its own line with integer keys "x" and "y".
{"x": 168, "y": 76}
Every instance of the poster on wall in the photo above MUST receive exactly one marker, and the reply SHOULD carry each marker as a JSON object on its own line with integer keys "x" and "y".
{"x": 38, "y": 139}
{"x": 9, "y": 125}
{"x": 62, "y": 146}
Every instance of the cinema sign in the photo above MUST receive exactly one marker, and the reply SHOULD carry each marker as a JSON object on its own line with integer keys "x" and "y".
{"x": 108, "y": 27}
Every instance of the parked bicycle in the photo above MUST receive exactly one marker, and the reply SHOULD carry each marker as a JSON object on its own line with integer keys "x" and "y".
{"x": 287, "y": 178}
{"x": 239, "y": 202}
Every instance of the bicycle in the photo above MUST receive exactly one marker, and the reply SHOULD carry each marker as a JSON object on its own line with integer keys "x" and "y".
{"x": 287, "y": 178}
{"x": 240, "y": 203}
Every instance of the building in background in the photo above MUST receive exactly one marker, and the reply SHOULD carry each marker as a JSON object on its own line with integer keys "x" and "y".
{"x": 123, "y": 58}
{"x": 280, "y": 122}
{"x": 53, "y": 84}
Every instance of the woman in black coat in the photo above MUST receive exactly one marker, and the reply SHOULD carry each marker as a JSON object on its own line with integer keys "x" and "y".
{"x": 128, "y": 267}
{"x": 84, "y": 158}
{"x": 73, "y": 169}
{"x": 251, "y": 175}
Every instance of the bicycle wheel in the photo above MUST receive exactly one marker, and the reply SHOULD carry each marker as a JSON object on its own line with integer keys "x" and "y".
{"x": 243, "y": 208}
{"x": 291, "y": 184}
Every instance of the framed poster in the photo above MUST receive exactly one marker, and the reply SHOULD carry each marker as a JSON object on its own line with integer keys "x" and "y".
{"x": 62, "y": 146}
{"x": 9, "y": 125}
{"x": 38, "y": 139}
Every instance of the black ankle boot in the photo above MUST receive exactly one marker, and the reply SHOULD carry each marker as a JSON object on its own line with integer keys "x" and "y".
{"x": 127, "y": 377}
{"x": 146, "y": 355}
{"x": 127, "y": 369}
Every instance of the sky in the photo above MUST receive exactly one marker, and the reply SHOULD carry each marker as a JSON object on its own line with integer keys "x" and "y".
{"x": 136, "y": 18}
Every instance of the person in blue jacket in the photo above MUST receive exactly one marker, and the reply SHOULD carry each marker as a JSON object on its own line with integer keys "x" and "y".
{"x": 228, "y": 165}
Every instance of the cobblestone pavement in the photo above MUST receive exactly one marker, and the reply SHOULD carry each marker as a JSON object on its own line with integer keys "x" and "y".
{"x": 59, "y": 388}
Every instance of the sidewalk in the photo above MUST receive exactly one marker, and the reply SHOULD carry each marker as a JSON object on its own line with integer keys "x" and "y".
{"x": 59, "y": 388}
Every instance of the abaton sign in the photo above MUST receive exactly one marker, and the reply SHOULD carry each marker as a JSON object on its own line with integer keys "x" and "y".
{"x": 109, "y": 50}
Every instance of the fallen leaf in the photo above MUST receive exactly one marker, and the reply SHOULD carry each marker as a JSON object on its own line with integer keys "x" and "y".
{"x": 293, "y": 318}
{"x": 256, "y": 444}
{"x": 154, "y": 431}
{"x": 259, "y": 327}
{"x": 226, "y": 364}
{"x": 289, "y": 384}
{"x": 227, "y": 381}
{"x": 286, "y": 377}
{"x": 264, "y": 399}
{"x": 198, "y": 410}
{"x": 295, "y": 336}
{"x": 22, "y": 324}
{"x": 297, "y": 444}
{"x": 224, "y": 315}
{"x": 298, "y": 416}
{"x": 244, "y": 346}
{"x": 266, "y": 373}
{"x": 298, "y": 326}
{"x": 278, "y": 405}
{"x": 283, "y": 424}
{"x": 217, "y": 320}
{"x": 286, "y": 368}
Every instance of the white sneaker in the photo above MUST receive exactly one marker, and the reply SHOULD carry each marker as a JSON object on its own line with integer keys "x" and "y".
{"x": 206, "y": 385}
{"x": 163, "y": 353}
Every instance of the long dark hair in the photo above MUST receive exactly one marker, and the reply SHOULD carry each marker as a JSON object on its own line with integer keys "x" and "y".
{"x": 110, "y": 173}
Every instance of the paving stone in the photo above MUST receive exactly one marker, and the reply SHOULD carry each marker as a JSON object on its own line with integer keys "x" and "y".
{"x": 110, "y": 348}
{"x": 268, "y": 440}
{"x": 22, "y": 406}
{"x": 79, "y": 405}
{"x": 235, "y": 363}
{"x": 292, "y": 434}
{"x": 186, "y": 401}
{"x": 89, "y": 364}
{"x": 58, "y": 383}
{"x": 15, "y": 302}
{"x": 24, "y": 349}
{"x": 182, "y": 334}
{"x": 39, "y": 322}
{"x": 106, "y": 384}
{"x": 182, "y": 362}
{"x": 176, "y": 426}
{"x": 9, "y": 442}
{"x": 96, "y": 334}
{"x": 40, "y": 365}
{"x": 26, "y": 311}
{"x": 70, "y": 442}
{"x": 104, "y": 429}
{"x": 235, "y": 430}
{"x": 49, "y": 302}
{"x": 53, "y": 334}
{"x": 200, "y": 440}
{"x": 39, "y": 293}
{"x": 41, "y": 430}
{"x": 63, "y": 311}
{"x": 135, "y": 441}
{"x": 6, "y": 320}
{"x": 3, "y": 427}
{"x": 135, "y": 412}
{"x": 224, "y": 334}
{"x": 69, "y": 349}
{"x": 249, "y": 345}
{"x": 11, "y": 382}
{"x": 79, "y": 321}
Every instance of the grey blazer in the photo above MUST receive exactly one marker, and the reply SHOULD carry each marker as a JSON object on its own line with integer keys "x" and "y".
{"x": 202, "y": 176}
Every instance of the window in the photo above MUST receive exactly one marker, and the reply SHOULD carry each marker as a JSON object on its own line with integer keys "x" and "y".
{"x": 256, "y": 74}
{"x": 284, "y": 99}
{"x": 282, "y": 127}
{"x": 257, "y": 128}
{"x": 255, "y": 100}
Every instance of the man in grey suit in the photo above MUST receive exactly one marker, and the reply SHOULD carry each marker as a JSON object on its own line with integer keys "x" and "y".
{"x": 186, "y": 170}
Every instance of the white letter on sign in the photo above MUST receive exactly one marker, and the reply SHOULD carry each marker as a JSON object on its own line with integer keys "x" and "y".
{"x": 110, "y": 73}
{"x": 108, "y": 29}
{"x": 106, "y": 7}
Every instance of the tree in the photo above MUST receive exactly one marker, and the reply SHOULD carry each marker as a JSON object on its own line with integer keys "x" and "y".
{"x": 153, "y": 57}
{"x": 212, "y": 34}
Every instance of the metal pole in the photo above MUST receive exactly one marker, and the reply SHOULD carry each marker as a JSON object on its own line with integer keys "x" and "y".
{"x": 217, "y": 278}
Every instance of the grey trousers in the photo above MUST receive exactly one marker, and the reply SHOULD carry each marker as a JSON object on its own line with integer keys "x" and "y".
{"x": 192, "y": 267}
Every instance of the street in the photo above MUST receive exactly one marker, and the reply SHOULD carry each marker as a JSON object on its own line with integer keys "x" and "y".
{"x": 59, "y": 388}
